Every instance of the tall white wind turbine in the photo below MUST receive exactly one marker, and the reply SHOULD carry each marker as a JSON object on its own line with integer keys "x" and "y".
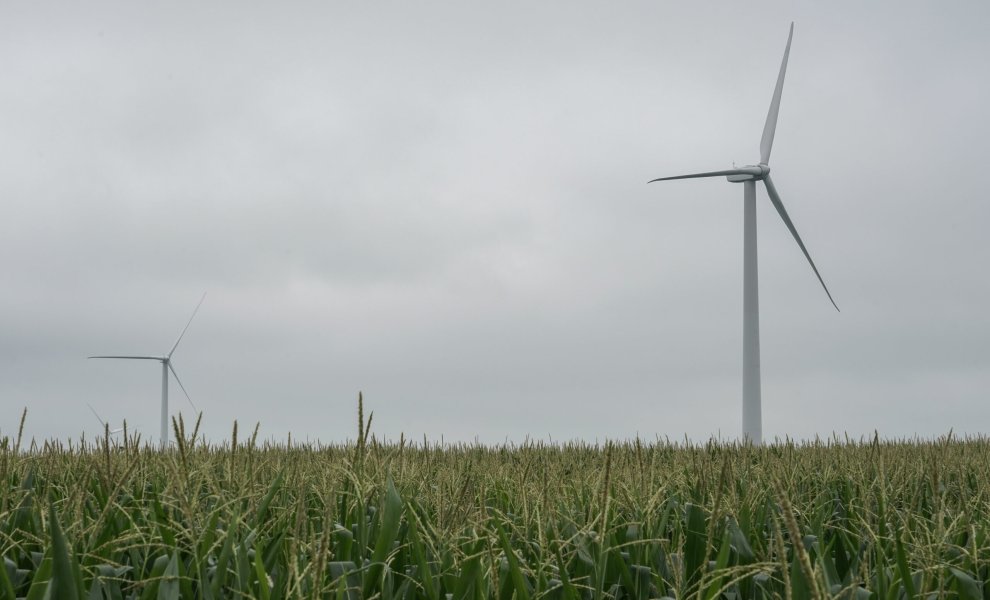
{"x": 748, "y": 175}
{"x": 166, "y": 361}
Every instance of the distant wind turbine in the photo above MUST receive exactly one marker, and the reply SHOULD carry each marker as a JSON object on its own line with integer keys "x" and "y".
{"x": 748, "y": 175}
{"x": 103, "y": 423}
{"x": 166, "y": 367}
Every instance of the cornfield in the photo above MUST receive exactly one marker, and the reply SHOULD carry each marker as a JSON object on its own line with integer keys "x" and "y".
{"x": 420, "y": 521}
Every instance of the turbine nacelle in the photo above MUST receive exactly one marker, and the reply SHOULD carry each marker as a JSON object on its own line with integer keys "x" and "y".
{"x": 748, "y": 173}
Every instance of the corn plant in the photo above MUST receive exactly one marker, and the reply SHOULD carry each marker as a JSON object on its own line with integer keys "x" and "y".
{"x": 367, "y": 520}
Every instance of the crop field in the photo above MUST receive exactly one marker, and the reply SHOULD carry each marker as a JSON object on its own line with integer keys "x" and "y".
{"x": 417, "y": 521}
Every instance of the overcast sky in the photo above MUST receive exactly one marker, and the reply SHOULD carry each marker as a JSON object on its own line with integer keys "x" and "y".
{"x": 445, "y": 205}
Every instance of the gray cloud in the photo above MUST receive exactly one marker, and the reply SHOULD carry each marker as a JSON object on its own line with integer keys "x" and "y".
{"x": 445, "y": 206}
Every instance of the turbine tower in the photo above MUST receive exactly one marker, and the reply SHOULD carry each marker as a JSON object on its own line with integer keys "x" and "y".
{"x": 748, "y": 175}
{"x": 166, "y": 361}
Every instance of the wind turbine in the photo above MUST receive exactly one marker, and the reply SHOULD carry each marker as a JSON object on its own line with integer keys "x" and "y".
{"x": 103, "y": 423}
{"x": 748, "y": 175}
{"x": 166, "y": 367}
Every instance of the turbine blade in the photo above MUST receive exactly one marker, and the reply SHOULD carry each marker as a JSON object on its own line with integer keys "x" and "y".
{"x": 179, "y": 381}
{"x": 744, "y": 171}
{"x": 771, "y": 126}
{"x": 775, "y": 199}
{"x": 93, "y": 410}
{"x": 176, "y": 345}
{"x": 134, "y": 357}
